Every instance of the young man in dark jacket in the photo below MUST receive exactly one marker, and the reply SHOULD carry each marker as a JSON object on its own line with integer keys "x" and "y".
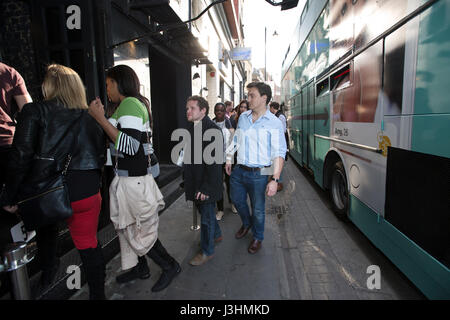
{"x": 202, "y": 179}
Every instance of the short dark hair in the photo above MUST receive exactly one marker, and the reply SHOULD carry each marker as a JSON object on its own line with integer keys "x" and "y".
{"x": 275, "y": 105}
{"x": 263, "y": 89}
{"x": 220, "y": 104}
{"x": 228, "y": 103}
{"x": 202, "y": 103}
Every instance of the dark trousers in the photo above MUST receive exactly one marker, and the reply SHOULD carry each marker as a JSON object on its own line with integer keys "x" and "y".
{"x": 227, "y": 184}
{"x": 7, "y": 220}
{"x": 47, "y": 244}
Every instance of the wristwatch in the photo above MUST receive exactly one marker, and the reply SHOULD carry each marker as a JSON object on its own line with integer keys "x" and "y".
{"x": 276, "y": 180}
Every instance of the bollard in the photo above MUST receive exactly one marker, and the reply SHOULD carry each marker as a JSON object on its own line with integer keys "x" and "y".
{"x": 14, "y": 260}
{"x": 195, "y": 225}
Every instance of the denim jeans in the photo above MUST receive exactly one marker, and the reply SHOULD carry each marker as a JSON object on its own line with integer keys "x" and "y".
{"x": 254, "y": 184}
{"x": 210, "y": 229}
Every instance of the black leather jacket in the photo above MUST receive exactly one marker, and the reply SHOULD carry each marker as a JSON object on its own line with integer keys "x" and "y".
{"x": 44, "y": 135}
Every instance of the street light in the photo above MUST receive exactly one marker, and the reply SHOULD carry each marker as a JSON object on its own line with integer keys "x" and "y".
{"x": 265, "y": 54}
{"x": 265, "y": 50}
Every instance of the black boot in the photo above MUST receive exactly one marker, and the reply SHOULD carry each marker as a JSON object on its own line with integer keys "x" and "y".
{"x": 47, "y": 244}
{"x": 170, "y": 267}
{"x": 48, "y": 275}
{"x": 94, "y": 267}
{"x": 140, "y": 271}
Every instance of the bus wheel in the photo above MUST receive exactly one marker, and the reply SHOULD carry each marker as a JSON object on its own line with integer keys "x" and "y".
{"x": 339, "y": 191}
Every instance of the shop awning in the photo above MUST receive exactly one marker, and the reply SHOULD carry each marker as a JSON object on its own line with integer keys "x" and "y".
{"x": 169, "y": 31}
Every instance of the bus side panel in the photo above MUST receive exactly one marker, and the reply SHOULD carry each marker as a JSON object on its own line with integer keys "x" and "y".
{"x": 431, "y": 129}
{"x": 429, "y": 275}
{"x": 431, "y": 134}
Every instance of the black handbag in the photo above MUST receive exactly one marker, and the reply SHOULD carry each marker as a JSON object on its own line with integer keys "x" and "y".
{"x": 44, "y": 203}
{"x": 47, "y": 201}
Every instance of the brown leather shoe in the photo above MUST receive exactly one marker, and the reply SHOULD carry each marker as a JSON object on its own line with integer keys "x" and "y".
{"x": 200, "y": 259}
{"x": 280, "y": 186}
{"x": 255, "y": 245}
{"x": 241, "y": 232}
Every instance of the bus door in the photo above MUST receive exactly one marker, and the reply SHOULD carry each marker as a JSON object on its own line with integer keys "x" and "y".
{"x": 310, "y": 128}
{"x": 307, "y": 123}
{"x": 304, "y": 127}
{"x": 63, "y": 33}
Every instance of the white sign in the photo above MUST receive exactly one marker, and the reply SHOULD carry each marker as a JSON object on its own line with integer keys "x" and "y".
{"x": 19, "y": 233}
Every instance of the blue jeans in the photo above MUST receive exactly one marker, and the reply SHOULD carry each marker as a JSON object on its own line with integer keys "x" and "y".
{"x": 210, "y": 229}
{"x": 254, "y": 184}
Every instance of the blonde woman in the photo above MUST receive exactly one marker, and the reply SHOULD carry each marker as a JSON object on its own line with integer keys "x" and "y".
{"x": 45, "y": 132}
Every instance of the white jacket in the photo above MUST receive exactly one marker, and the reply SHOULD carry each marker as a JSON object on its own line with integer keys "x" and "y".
{"x": 134, "y": 206}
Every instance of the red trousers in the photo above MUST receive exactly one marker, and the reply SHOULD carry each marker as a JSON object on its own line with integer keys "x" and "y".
{"x": 84, "y": 221}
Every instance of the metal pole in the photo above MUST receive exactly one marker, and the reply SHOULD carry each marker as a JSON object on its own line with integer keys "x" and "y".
{"x": 195, "y": 225}
{"x": 14, "y": 260}
{"x": 265, "y": 53}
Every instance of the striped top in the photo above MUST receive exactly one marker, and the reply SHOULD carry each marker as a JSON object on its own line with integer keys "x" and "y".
{"x": 131, "y": 147}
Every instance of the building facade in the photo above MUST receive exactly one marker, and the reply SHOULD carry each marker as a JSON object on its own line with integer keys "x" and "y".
{"x": 219, "y": 32}
{"x": 151, "y": 36}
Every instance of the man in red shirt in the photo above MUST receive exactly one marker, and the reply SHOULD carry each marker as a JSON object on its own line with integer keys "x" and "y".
{"x": 13, "y": 96}
{"x": 12, "y": 86}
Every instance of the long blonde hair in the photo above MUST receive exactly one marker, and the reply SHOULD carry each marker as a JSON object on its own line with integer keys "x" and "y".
{"x": 65, "y": 85}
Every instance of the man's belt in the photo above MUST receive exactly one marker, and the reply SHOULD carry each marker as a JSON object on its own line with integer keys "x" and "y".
{"x": 252, "y": 169}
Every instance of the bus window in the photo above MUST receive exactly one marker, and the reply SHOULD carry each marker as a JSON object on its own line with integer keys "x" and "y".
{"x": 341, "y": 78}
{"x": 367, "y": 82}
{"x": 323, "y": 87}
{"x": 394, "y": 66}
{"x": 344, "y": 103}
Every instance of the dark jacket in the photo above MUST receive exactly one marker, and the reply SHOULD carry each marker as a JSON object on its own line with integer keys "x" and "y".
{"x": 204, "y": 178}
{"x": 228, "y": 124}
{"x": 43, "y": 137}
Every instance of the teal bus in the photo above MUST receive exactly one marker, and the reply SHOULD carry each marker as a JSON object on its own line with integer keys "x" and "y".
{"x": 366, "y": 91}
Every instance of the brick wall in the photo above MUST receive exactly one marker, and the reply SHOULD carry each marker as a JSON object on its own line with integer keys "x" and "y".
{"x": 16, "y": 46}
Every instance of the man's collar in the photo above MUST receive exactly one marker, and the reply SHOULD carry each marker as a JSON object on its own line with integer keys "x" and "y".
{"x": 266, "y": 114}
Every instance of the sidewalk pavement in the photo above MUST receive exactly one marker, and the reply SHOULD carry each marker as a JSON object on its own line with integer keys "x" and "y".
{"x": 307, "y": 253}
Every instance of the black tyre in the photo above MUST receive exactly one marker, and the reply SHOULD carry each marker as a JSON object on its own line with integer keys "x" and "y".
{"x": 339, "y": 191}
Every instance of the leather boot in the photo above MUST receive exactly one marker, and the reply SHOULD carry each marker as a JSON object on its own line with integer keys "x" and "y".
{"x": 170, "y": 267}
{"x": 140, "y": 271}
{"x": 94, "y": 268}
{"x": 49, "y": 273}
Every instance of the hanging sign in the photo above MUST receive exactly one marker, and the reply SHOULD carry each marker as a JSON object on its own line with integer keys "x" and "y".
{"x": 241, "y": 53}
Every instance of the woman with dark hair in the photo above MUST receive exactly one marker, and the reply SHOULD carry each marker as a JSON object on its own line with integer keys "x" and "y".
{"x": 135, "y": 198}
{"x": 242, "y": 107}
{"x": 46, "y": 130}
